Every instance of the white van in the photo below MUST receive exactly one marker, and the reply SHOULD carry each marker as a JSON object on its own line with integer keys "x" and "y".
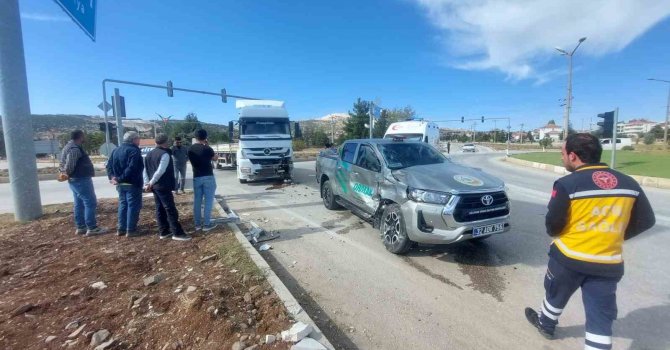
{"x": 620, "y": 143}
{"x": 416, "y": 130}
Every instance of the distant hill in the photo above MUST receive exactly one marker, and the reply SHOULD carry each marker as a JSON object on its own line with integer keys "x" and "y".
{"x": 58, "y": 124}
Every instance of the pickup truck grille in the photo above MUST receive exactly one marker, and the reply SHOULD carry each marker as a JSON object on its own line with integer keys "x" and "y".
{"x": 471, "y": 208}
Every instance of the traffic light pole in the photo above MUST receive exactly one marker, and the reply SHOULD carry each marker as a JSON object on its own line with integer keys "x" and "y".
{"x": 614, "y": 137}
{"x": 224, "y": 96}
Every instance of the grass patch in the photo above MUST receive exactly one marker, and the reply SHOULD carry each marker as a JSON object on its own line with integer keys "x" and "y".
{"x": 232, "y": 254}
{"x": 656, "y": 164}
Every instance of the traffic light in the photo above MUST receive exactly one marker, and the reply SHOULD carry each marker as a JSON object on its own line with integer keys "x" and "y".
{"x": 462, "y": 119}
{"x": 224, "y": 96}
{"x": 607, "y": 124}
{"x": 231, "y": 125}
{"x": 170, "y": 91}
{"x": 482, "y": 119}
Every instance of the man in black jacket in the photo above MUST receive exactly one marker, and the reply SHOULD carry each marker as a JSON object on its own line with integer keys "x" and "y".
{"x": 159, "y": 178}
{"x": 76, "y": 167}
{"x": 591, "y": 212}
{"x": 124, "y": 169}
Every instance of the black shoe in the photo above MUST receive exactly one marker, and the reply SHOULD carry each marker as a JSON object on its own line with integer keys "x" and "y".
{"x": 164, "y": 235}
{"x": 534, "y": 319}
{"x": 131, "y": 234}
{"x": 181, "y": 237}
{"x": 120, "y": 232}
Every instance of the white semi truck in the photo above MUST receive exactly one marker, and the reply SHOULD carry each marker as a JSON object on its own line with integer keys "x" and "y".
{"x": 265, "y": 149}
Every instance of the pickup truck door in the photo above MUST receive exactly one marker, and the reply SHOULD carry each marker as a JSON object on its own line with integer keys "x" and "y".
{"x": 341, "y": 184}
{"x": 364, "y": 179}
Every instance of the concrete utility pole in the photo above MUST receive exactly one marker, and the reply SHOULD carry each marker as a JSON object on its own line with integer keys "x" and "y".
{"x": 667, "y": 113}
{"x": 568, "y": 102}
{"x": 16, "y": 119}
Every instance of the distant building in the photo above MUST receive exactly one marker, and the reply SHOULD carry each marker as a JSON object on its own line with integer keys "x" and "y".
{"x": 552, "y": 131}
{"x": 635, "y": 127}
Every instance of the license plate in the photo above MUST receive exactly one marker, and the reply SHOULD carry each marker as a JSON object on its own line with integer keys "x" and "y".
{"x": 487, "y": 230}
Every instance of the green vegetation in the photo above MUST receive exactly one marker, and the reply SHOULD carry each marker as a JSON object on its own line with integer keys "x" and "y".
{"x": 656, "y": 164}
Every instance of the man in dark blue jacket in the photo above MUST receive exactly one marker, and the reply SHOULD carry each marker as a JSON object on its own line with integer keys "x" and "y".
{"x": 124, "y": 169}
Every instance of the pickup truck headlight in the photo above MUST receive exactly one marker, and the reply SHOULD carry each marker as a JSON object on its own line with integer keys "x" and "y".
{"x": 423, "y": 196}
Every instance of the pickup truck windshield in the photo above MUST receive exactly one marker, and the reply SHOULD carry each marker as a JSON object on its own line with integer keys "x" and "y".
{"x": 404, "y": 155}
{"x": 264, "y": 127}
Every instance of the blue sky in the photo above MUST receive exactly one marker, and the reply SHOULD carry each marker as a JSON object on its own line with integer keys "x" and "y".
{"x": 444, "y": 58}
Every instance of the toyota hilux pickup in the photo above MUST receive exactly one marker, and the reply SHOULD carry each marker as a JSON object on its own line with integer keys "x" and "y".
{"x": 412, "y": 193}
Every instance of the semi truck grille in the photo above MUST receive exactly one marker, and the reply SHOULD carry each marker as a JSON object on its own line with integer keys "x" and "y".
{"x": 471, "y": 207}
{"x": 265, "y": 161}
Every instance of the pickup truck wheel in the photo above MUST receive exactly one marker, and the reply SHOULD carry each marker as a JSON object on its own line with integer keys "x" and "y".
{"x": 328, "y": 196}
{"x": 393, "y": 230}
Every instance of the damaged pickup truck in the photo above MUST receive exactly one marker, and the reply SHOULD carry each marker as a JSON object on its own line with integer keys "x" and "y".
{"x": 412, "y": 193}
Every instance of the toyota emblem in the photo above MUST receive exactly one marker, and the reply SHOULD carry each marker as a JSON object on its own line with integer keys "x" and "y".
{"x": 487, "y": 199}
{"x": 266, "y": 151}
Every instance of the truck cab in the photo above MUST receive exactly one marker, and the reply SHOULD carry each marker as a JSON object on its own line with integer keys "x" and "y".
{"x": 415, "y": 130}
{"x": 265, "y": 148}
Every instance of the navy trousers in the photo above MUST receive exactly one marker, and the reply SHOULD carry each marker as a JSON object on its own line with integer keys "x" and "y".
{"x": 598, "y": 295}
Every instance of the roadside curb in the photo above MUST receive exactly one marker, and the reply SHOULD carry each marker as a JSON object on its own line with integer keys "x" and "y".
{"x": 283, "y": 293}
{"x": 647, "y": 181}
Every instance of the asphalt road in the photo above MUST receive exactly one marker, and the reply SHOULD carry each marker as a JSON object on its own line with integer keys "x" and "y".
{"x": 463, "y": 296}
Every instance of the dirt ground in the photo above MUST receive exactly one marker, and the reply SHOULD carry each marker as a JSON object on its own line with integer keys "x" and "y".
{"x": 209, "y": 293}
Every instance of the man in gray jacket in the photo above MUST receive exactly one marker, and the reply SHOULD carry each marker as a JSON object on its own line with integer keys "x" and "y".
{"x": 180, "y": 157}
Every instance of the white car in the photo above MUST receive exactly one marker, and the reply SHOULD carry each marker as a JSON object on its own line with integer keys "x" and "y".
{"x": 468, "y": 147}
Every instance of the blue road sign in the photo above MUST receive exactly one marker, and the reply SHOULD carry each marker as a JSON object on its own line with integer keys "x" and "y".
{"x": 376, "y": 111}
{"x": 82, "y": 12}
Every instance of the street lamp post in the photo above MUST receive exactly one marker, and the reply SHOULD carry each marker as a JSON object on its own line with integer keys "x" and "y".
{"x": 667, "y": 113}
{"x": 568, "y": 103}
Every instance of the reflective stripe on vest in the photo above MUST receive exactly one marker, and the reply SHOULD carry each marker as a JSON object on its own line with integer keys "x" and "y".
{"x": 581, "y": 256}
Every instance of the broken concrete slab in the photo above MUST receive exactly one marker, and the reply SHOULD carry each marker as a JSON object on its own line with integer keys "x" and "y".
{"x": 297, "y": 332}
{"x": 308, "y": 344}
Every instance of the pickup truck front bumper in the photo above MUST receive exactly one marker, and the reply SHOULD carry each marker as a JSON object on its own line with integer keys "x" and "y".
{"x": 433, "y": 224}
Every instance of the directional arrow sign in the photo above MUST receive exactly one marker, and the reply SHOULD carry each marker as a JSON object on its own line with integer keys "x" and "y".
{"x": 82, "y": 12}
{"x": 104, "y": 106}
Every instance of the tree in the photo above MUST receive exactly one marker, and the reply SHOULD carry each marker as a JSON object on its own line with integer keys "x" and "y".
{"x": 657, "y": 130}
{"x": 551, "y": 122}
{"x": 319, "y": 138}
{"x": 381, "y": 125}
{"x": 529, "y": 137}
{"x": 546, "y": 142}
{"x": 400, "y": 114}
{"x": 354, "y": 127}
{"x": 649, "y": 138}
{"x": 93, "y": 142}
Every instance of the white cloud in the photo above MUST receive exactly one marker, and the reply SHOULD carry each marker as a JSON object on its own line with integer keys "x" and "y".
{"x": 43, "y": 18}
{"x": 517, "y": 36}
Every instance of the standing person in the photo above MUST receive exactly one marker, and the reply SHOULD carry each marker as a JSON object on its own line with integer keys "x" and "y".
{"x": 448, "y": 147}
{"x": 204, "y": 184}
{"x": 180, "y": 157}
{"x": 124, "y": 169}
{"x": 591, "y": 212}
{"x": 76, "y": 167}
{"x": 159, "y": 179}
